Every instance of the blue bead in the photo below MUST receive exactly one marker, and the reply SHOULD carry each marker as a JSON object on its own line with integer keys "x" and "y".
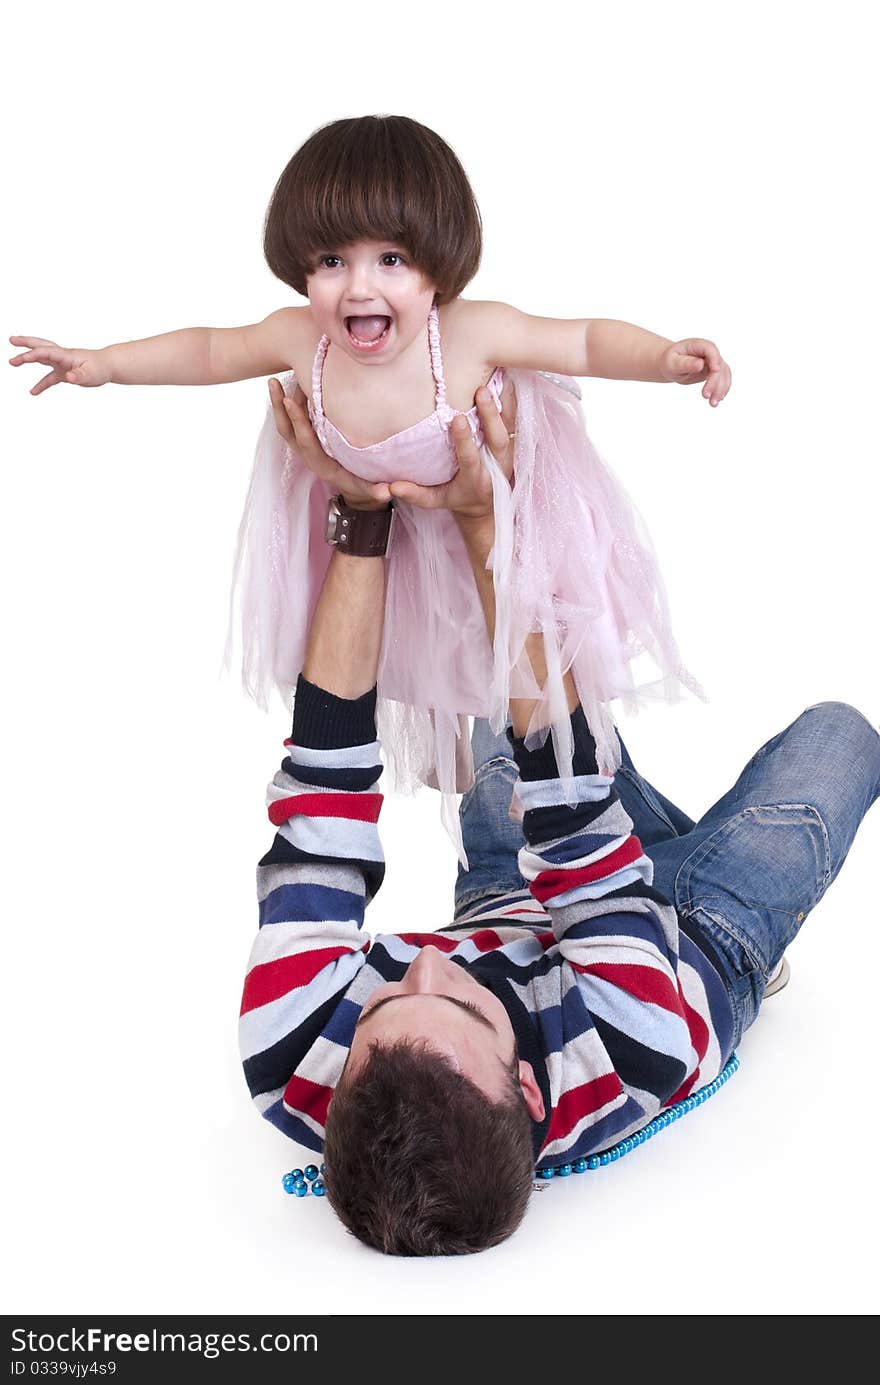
{"x": 545, "y": 1173}
{"x": 287, "y": 1182}
{"x": 615, "y": 1154}
{"x": 593, "y": 1162}
{"x": 605, "y": 1158}
{"x": 322, "y": 1169}
{"x": 300, "y": 1187}
{"x": 580, "y": 1165}
{"x": 311, "y": 1172}
{"x": 295, "y": 1173}
{"x": 564, "y": 1170}
{"x": 318, "y": 1188}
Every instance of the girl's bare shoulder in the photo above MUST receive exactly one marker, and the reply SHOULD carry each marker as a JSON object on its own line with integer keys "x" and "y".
{"x": 293, "y": 337}
{"x": 469, "y": 329}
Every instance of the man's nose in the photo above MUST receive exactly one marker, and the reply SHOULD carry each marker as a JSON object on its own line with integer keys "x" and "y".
{"x": 422, "y": 972}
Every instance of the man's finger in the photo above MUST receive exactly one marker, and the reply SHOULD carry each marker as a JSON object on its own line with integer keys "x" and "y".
{"x": 463, "y": 441}
{"x": 497, "y": 430}
{"x": 279, "y": 413}
{"x": 508, "y": 407}
{"x": 425, "y": 497}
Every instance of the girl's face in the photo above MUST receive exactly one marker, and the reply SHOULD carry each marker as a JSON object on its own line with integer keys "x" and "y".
{"x": 370, "y": 299}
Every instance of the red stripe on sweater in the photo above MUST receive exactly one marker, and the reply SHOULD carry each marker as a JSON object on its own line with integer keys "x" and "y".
{"x": 699, "y": 1030}
{"x": 645, "y": 983}
{"x": 554, "y": 882}
{"x": 486, "y": 939}
{"x": 361, "y": 807}
{"x": 582, "y": 1101}
{"x": 309, "y": 1098}
{"x": 430, "y": 940}
{"x": 269, "y": 980}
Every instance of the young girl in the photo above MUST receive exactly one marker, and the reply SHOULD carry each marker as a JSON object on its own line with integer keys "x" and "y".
{"x": 374, "y": 220}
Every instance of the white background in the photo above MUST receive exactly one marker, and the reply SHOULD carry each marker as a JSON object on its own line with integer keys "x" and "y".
{"x": 700, "y": 170}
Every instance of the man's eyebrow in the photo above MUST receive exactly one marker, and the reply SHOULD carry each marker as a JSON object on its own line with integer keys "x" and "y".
{"x": 463, "y": 1004}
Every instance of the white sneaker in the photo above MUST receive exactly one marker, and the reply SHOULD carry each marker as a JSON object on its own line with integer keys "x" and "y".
{"x": 778, "y": 978}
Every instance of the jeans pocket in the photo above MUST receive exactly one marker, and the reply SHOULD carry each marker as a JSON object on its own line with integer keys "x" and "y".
{"x": 759, "y": 874}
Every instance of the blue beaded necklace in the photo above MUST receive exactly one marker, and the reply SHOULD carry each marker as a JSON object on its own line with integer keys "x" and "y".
{"x": 647, "y": 1132}
{"x": 299, "y": 1182}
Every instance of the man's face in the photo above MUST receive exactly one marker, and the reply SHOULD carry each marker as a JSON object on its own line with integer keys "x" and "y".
{"x": 440, "y": 1004}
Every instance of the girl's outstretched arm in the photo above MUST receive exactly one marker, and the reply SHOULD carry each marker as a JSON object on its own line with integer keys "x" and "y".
{"x": 191, "y": 356}
{"x": 597, "y": 346}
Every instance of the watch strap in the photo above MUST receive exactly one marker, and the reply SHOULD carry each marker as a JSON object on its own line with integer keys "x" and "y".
{"x": 363, "y": 533}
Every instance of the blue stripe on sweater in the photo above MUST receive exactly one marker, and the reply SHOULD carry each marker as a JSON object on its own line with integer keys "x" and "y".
{"x": 645, "y": 927}
{"x": 292, "y": 1126}
{"x": 603, "y": 1134}
{"x": 584, "y": 844}
{"x": 544, "y": 824}
{"x": 340, "y": 1027}
{"x": 576, "y": 1018}
{"x": 721, "y": 1015}
{"x": 310, "y": 903}
{"x": 638, "y": 1065}
{"x": 349, "y": 780}
{"x": 561, "y": 1024}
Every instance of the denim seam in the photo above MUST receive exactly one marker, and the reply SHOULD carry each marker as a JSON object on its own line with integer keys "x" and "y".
{"x": 465, "y": 899}
{"x": 736, "y": 1003}
{"x": 710, "y": 844}
{"x": 500, "y": 764}
{"x": 655, "y": 807}
{"x": 685, "y": 872}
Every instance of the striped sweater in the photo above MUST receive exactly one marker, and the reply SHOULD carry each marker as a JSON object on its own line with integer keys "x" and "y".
{"x": 618, "y": 1011}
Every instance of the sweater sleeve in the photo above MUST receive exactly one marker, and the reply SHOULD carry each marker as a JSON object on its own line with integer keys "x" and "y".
{"x": 586, "y": 866}
{"x": 324, "y": 865}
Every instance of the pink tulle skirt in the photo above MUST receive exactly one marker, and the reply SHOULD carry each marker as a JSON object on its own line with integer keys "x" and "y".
{"x": 572, "y": 561}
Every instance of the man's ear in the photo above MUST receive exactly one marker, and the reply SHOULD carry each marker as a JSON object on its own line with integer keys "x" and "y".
{"x": 531, "y": 1091}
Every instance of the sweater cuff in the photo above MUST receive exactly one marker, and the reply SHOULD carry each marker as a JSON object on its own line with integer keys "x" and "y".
{"x": 540, "y": 763}
{"x": 323, "y": 721}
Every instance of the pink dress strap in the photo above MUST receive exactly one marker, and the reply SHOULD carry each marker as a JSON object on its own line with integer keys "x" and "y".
{"x": 444, "y": 410}
{"x": 317, "y": 401}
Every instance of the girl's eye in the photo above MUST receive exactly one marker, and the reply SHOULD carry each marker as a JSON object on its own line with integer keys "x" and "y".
{"x": 392, "y": 260}
{"x": 329, "y": 261}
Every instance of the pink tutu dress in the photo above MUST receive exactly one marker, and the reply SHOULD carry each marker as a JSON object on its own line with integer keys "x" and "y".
{"x": 572, "y": 561}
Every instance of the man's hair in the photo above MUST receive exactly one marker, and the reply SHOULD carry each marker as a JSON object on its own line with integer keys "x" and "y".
{"x": 419, "y": 1161}
{"x": 375, "y": 177}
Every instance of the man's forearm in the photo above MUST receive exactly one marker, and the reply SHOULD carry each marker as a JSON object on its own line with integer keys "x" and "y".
{"x": 479, "y": 538}
{"x": 345, "y": 639}
{"x": 622, "y": 351}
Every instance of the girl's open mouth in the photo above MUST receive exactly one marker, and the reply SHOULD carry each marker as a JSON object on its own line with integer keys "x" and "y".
{"x": 367, "y": 333}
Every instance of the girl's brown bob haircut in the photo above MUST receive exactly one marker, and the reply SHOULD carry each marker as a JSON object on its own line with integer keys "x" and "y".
{"x": 375, "y": 177}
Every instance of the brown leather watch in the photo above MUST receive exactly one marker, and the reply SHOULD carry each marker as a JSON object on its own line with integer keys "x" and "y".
{"x": 363, "y": 533}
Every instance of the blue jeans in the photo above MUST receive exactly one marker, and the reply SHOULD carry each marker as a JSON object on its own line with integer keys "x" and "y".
{"x": 744, "y": 877}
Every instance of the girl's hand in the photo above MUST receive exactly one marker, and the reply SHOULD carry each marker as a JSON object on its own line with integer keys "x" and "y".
{"x": 293, "y": 423}
{"x": 694, "y": 359}
{"x": 468, "y": 495}
{"x": 69, "y": 365}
